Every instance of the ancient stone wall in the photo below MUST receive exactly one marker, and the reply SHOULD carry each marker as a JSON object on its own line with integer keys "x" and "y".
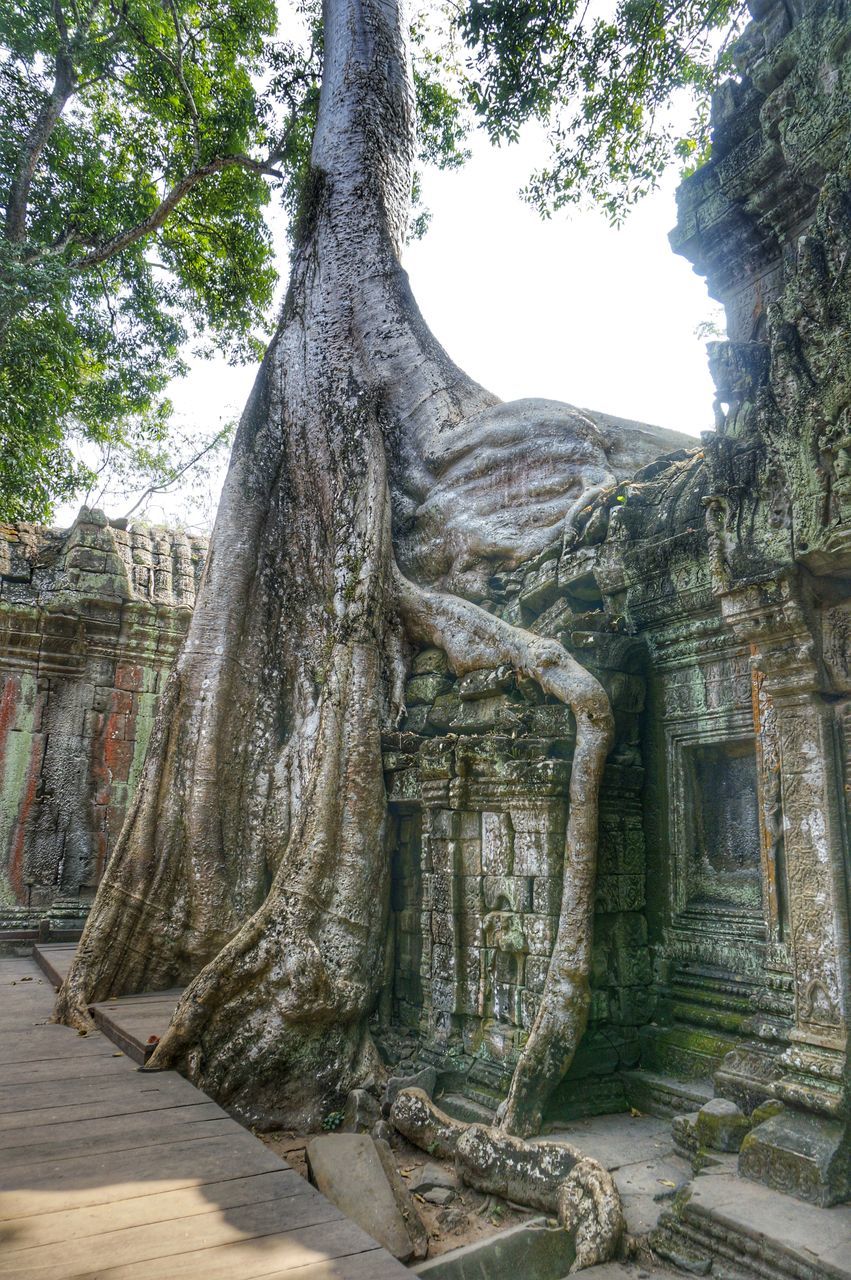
{"x": 709, "y": 593}
{"x": 477, "y": 781}
{"x": 90, "y": 623}
{"x": 747, "y": 614}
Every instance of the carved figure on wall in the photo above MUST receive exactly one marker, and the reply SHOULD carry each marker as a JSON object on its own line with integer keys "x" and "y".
{"x": 502, "y": 934}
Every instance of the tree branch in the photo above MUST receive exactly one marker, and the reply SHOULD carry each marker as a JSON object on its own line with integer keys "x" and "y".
{"x": 167, "y": 205}
{"x": 165, "y": 485}
{"x": 63, "y": 87}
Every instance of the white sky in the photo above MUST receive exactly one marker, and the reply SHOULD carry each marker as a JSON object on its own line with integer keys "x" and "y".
{"x": 570, "y": 309}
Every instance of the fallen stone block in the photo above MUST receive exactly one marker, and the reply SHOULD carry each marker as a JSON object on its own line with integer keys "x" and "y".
{"x": 361, "y": 1113}
{"x": 425, "y": 1080}
{"x": 532, "y": 1250}
{"x": 349, "y": 1170}
{"x": 804, "y": 1155}
{"x": 441, "y": 1196}
{"x": 404, "y": 1200}
{"x": 383, "y": 1131}
{"x": 432, "y": 1176}
{"x": 459, "y": 1107}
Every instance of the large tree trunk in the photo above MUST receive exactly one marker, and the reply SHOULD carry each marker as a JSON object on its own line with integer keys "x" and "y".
{"x": 253, "y": 863}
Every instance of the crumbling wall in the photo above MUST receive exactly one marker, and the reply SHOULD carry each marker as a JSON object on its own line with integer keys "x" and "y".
{"x": 90, "y": 623}
{"x": 735, "y": 567}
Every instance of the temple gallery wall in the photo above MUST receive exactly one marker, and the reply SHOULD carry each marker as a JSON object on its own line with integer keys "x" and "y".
{"x": 709, "y": 593}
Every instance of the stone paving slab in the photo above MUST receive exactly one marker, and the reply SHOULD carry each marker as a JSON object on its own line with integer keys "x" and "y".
{"x": 819, "y": 1237}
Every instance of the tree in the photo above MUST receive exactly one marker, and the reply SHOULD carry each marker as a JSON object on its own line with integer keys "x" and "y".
{"x": 137, "y": 143}
{"x": 360, "y": 516}
{"x": 132, "y": 148}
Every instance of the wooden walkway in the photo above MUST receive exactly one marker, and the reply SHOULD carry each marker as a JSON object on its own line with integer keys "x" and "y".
{"x": 107, "y": 1172}
{"x": 129, "y": 1021}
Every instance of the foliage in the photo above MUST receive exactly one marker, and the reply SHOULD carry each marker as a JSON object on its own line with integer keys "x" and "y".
{"x": 138, "y": 139}
{"x": 601, "y": 85}
{"x": 136, "y": 143}
{"x": 132, "y": 192}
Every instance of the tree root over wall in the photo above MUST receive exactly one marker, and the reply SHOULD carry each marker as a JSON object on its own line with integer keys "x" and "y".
{"x": 472, "y": 638}
{"x": 553, "y": 1177}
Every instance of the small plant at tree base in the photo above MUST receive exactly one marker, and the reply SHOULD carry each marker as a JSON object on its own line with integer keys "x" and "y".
{"x": 332, "y": 1121}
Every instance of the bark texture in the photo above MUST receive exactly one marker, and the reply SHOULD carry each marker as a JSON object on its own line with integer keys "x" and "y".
{"x": 553, "y": 1177}
{"x": 253, "y": 864}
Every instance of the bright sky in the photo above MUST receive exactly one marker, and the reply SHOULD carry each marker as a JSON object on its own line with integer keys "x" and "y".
{"x": 571, "y": 309}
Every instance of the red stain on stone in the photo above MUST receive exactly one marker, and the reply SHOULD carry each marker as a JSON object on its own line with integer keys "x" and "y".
{"x": 111, "y": 758}
{"x": 16, "y": 860}
{"x": 8, "y": 707}
{"x": 117, "y": 754}
{"x": 129, "y": 675}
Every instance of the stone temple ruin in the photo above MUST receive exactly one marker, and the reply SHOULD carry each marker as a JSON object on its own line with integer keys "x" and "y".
{"x": 709, "y": 592}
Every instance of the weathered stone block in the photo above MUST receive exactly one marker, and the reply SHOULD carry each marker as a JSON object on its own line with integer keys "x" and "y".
{"x": 496, "y": 714}
{"x": 631, "y": 966}
{"x": 620, "y": 892}
{"x": 540, "y": 932}
{"x": 442, "y": 854}
{"x": 538, "y": 853}
{"x": 529, "y": 1002}
{"x": 540, "y": 586}
{"x": 546, "y": 895}
{"x": 445, "y": 896}
{"x": 470, "y": 825}
{"x": 547, "y": 817}
{"x": 471, "y": 926}
{"x": 361, "y": 1112}
{"x": 534, "y": 1251}
{"x": 507, "y": 892}
{"x": 471, "y": 856}
{"x": 416, "y": 720}
{"x": 485, "y": 683}
{"x": 430, "y": 661}
{"x": 805, "y": 1155}
{"x": 497, "y": 844}
{"x": 443, "y": 712}
{"x": 346, "y": 1168}
{"x": 443, "y": 929}
{"x": 441, "y": 823}
{"x": 426, "y": 1079}
{"x": 721, "y": 1126}
{"x": 535, "y": 972}
{"x": 551, "y": 721}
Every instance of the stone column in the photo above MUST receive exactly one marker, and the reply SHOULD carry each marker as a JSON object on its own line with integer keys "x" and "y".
{"x": 805, "y": 1149}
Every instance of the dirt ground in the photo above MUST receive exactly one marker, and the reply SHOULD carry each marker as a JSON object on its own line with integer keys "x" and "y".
{"x": 471, "y": 1216}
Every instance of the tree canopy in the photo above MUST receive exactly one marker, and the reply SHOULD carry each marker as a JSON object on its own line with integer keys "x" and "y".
{"x": 139, "y": 140}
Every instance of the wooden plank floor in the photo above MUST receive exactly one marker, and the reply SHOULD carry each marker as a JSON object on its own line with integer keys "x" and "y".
{"x": 129, "y": 1021}
{"x": 107, "y": 1172}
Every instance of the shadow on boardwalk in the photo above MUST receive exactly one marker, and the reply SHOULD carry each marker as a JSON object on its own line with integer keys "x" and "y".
{"x": 108, "y": 1172}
